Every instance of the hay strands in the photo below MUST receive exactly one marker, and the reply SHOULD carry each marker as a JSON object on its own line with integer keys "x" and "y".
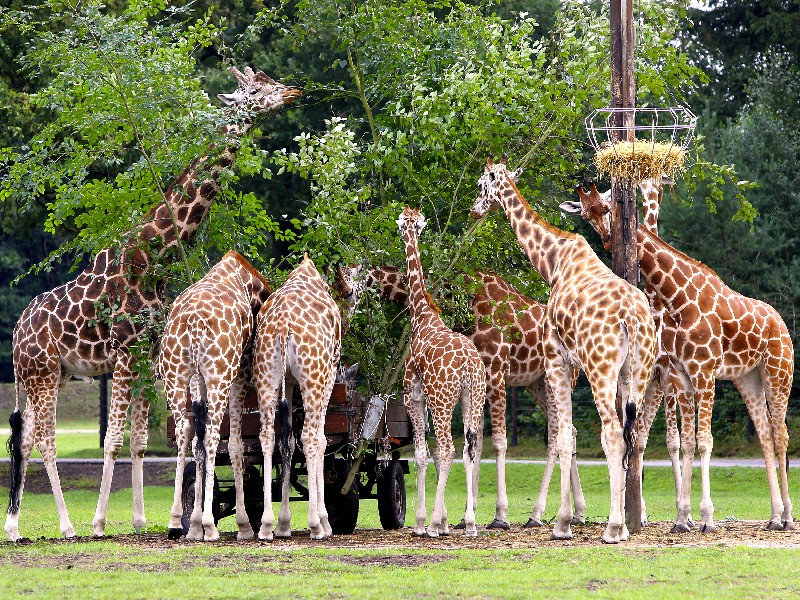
{"x": 639, "y": 160}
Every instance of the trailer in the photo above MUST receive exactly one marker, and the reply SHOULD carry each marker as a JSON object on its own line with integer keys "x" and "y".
{"x": 365, "y": 437}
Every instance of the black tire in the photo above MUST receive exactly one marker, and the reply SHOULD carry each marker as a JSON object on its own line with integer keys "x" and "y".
{"x": 392, "y": 496}
{"x": 188, "y": 495}
{"x": 254, "y": 496}
{"x": 342, "y": 509}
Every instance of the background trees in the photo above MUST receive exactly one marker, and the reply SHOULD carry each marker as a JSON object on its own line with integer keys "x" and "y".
{"x": 403, "y": 100}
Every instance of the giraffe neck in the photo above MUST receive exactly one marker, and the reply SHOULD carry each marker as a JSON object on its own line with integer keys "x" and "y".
{"x": 674, "y": 278}
{"x": 390, "y": 284}
{"x": 193, "y": 192}
{"x": 423, "y": 311}
{"x": 542, "y": 242}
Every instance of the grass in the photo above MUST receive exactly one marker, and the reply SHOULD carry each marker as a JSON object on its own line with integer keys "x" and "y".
{"x": 105, "y": 570}
{"x": 98, "y": 569}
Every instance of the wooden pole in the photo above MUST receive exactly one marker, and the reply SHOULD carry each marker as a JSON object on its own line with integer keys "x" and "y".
{"x": 623, "y": 206}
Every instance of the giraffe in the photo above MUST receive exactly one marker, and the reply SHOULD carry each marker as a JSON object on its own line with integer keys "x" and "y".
{"x": 87, "y": 326}
{"x": 721, "y": 334}
{"x": 208, "y": 333}
{"x": 595, "y": 321}
{"x": 666, "y": 328}
{"x": 507, "y": 332}
{"x": 297, "y": 341}
{"x": 442, "y": 367}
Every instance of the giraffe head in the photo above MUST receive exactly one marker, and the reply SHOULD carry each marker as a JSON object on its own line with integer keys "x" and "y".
{"x": 258, "y": 92}
{"x": 409, "y": 219}
{"x": 349, "y": 283}
{"x": 495, "y": 176}
{"x": 595, "y": 208}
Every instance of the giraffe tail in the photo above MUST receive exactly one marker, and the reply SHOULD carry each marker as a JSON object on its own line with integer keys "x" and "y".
{"x": 477, "y": 398}
{"x": 14, "y": 447}
{"x": 283, "y": 415}
{"x": 631, "y": 327}
{"x": 200, "y": 410}
{"x": 629, "y": 433}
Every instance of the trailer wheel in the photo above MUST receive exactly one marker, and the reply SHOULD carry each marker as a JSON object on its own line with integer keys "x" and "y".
{"x": 392, "y": 496}
{"x": 342, "y": 509}
{"x": 188, "y": 495}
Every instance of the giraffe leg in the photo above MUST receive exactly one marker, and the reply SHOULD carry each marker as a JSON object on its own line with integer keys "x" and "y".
{"x": 496, "y": 400}
{"x": 267, "y": 399}
{"x": 547, "y": 404}
{"x": 217, "y": 394}
{"x": 777, "y": 374}
{"x": 558, "y": 381}
{"x": 705, "y": 444}
{"x": 26, "y": 446}
{"x": 684, "y": 393}
{"x": 236, "y": 452}
{"x": 322, "y": 443}
{"x": 652, "y": 401}
{"x": 445, "y": 450}
{"x": 752, "y": 389}
{"x": 46, "y": 442}
{"x": 139, "y": 433}
{"x": 414, "y": 401}
{"x": 579, "y": 502}
{"x": 120, "y": 400}
{"x": 673, "y": 438}
{"x": 177, "y": 395}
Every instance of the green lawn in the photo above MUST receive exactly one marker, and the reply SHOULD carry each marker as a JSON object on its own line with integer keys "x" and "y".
{"x": 100, "y": 569}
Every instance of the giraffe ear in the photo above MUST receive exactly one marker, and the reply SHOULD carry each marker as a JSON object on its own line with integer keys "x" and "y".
{"x": 571, "y": 206}
{"x": 515, "y": 174}
{"x": 665, "y": 180}
{"x": 421, "y": 222}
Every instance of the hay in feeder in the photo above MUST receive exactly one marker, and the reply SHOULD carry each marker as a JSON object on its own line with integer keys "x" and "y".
{"x": 639, "y": 160}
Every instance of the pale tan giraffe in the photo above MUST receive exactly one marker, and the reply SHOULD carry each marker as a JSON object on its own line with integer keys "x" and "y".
{"x": 442, "y": 368}
{"x": 666, "y": 328}
{"x": 596, "y": 322}
{"x": 297, "y": 342}
{"x": 87, "y": 326}
{"x": 208, "y": 336}
{"x": 507, "y": 331}
{"x": 720, "y": 335}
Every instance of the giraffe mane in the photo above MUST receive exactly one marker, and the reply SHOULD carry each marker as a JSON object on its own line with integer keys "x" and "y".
{"x": 692, "y": 261}
{"x": 537, "y": 217}
{"x": 249, "y": 268}
{"x": 431, "y": 303}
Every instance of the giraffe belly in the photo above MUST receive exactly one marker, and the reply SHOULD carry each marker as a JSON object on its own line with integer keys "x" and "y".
{"x": 86, "y": 368}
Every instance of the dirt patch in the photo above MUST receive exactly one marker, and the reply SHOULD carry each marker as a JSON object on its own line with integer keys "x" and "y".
{"x": 655, "y": 535}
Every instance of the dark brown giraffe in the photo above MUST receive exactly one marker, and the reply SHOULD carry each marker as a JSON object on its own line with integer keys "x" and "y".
{"x": 87, "y": 326}
{"x": 721, "y": 334}
{"x": 596, "y": 322}
{"x": 507, "y": 331}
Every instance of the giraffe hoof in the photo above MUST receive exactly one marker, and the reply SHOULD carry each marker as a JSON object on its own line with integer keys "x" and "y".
{"x": 708, "y": 528}
{"x": 174, "y": 533}
{"x": 533, "y": 523}
{"x": 680, "y": 528}
{"x": 577, "y": 521}
{"x": 461, "y": 525}
{"x": 498, "y": 524}
{"x": 774, "y": 526}
{"x": 788, "y": 525}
